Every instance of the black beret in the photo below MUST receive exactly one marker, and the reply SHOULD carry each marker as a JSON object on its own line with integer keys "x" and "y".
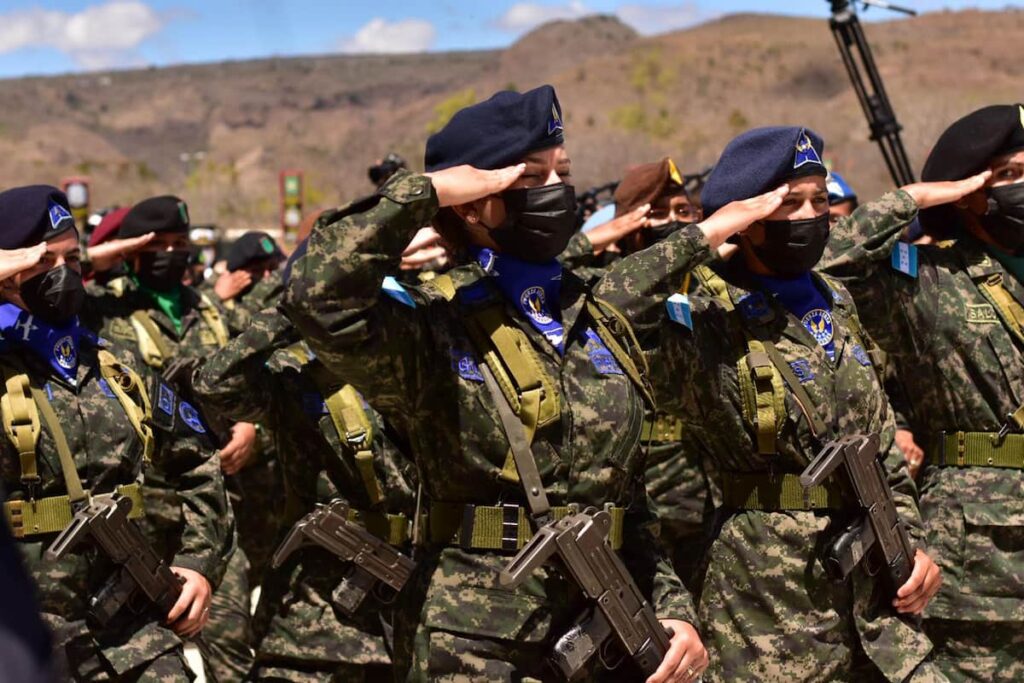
{"x": 156, "y": 214}
{"x": 760, "y": 160}
{"x": 966, "y": 148}
{"x": 33, "y": 214}
{"x": 252, "y": 246}
{"x": 498, "y": 132}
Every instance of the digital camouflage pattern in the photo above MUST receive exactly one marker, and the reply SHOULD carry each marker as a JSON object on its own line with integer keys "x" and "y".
{"x": 240, "y": 311}
{"x": 107, "y": 453}
{"x": 417, "y": 366}
{"x": 303, "y": 635}
{"x": 961, "y": 368}
{"x": 767, "y": 608}
{"x": 676, "y": 481}
{"x": 108, "y": 311}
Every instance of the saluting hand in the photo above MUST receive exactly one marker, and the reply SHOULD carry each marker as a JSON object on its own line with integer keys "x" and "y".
{"x": 920, "y": 588}
{"x": 232, "y": 283}
{"x": 107, "y": 255}
{"x": 464, "y": 184}
{"x": 607, "y": 234}
{"x": 14, "y": 261}
{"x": 927, "y": 195}
{"x": 686, "y": 658}
{"x": 737, "y": 216}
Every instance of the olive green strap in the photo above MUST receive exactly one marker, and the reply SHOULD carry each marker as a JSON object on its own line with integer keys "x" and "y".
{"x": 611, "y": 326}
{"x": 977, "y": 449}
{"x": 213, "y": 320}
{"x": 662, "y": 429}
{"x": 72, "y": 481}
{"x": 50, "y": 515}
{"x": 1010, "y": 311}
{"x": 121, "y": 379}
{"x": 763, "y": 395}
{"x": 152, "y": 345}
{"x": 768, "y": 492}
{"x": 394, "y": 529}
{"x": 21, "y": 421}
{"x": 803, "y": 399}
{"x": 354, "y": 427}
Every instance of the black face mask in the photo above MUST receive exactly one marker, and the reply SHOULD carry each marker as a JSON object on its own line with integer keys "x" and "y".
{"x": 539, "y": 224}
{"x": 162, "y": 270}
{"x": 1004, "y": 221}
{"x": 793, "y": 248}
{"x": 55, "y": 296}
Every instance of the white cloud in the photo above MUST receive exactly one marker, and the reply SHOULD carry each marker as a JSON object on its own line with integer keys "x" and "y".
{"x": 648, "y": 19}
{"x": 100, "y": 36}
{"x": 524, "y": 16}
{"x": 382, "y": 36}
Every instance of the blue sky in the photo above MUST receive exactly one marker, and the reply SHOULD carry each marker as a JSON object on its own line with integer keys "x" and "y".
{"x": 81, "y": 35}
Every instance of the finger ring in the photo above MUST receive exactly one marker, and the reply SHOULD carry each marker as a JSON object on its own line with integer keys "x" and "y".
{"x": 690, "y": 673}
{"x": 206, "y": 610}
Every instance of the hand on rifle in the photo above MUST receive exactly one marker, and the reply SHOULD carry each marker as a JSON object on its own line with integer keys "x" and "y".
{"x": 686, "y": 658}
{"x": 192, "y": 610}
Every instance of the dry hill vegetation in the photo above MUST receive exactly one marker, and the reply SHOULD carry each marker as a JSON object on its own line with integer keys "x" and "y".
{"x": 627, "y": 99}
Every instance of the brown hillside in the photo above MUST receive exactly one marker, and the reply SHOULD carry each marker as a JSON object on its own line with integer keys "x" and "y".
{"x": 627, "y": 99}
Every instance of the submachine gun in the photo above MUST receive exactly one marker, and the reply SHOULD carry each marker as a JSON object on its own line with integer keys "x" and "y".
{"x": 142, "y": 576}
{"x": 877, "y": 537}
{"x": 867, "y": 83}
{"x": 619, "y": 613}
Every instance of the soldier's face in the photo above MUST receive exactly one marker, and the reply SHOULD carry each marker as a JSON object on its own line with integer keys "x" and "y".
{"x": 841, "y": 210}
{"x": 61, "y": 250}
{"x": 672, "y": 208}
{"x": 807, "y": 198}
{"x": 546, "y": 167}
{"x": 1007, "y": 169}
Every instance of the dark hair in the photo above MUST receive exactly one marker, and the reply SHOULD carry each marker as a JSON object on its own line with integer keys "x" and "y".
{"x": 452, "y": 230}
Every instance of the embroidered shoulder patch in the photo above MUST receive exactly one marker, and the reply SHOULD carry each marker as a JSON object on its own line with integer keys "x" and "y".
{"x": 465, "y": 364}
{"x": 191, "y": 417}
{"x": 904, "y": 258}
{"x": 861, "y": 355}
{"x": 802, "y": 370}
{"x": 602, "y": 359}
{"x": 981, "y": 313}
{"x": 165, "y": 399}
{"x": 754, "y": 306}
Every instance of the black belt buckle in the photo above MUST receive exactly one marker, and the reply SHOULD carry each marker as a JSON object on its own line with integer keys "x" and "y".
{"x": 509, "y": 527}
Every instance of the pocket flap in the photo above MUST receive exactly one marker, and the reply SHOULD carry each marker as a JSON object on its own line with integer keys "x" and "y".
{"x": 1000, "y": 513}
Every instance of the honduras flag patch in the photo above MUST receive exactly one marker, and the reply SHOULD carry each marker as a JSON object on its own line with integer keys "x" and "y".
{"x": 396, "y": 291}
{"x": 904, "y": 258}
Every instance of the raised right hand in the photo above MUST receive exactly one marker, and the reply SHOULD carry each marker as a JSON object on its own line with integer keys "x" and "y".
{"x": 737, "y": 216}
{"x": 464, "y": 184}
{"x": 14, "y": 261}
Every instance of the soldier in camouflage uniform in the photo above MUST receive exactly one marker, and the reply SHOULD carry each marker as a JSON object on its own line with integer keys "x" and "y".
{"x": 79, "y": 423}
{"x": 420, "y": 356}
{"x": 251, "y": 284}
{"x": 267, "y": 375}
{"x": 764, "y": 363}
{"x": 151, "y": 312}
{"x": 950, "y": 318}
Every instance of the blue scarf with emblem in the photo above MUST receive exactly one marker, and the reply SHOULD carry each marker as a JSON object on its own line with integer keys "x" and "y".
{"x": 534, "y": 288}
{"x": 58, "y": 346}
{"x": 801, "y": 297}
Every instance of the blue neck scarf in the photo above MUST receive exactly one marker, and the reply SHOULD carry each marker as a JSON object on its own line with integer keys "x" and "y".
{"x": 801, "y": 297}
{"x": 58, "y": 346}
{"x": 534, "y": 288}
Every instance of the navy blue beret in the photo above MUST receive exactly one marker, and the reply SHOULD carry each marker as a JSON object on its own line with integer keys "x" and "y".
{"x": 498, "y": 132}
{"x": 760, "y": 160}
{"x": 33, "y": 214}
{"x": 156, "y": 214}
{"x": 965, "y": 149}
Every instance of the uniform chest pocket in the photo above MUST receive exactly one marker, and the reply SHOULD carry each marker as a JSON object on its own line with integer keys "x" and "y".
{"x": 994, "y": 549}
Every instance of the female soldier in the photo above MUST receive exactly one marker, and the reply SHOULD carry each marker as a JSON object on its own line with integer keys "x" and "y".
{"x": 766, "y": 366}
{"x": 508, "y": 344}
{"x": 950, "y": 318}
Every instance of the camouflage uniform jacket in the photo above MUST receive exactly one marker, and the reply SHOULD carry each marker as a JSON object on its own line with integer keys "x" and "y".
{"x": 240, "y": 311}
{"x": 258, "y": 378}
{"x": 962, "y": 370}
{"x": 416, "y": 365}
{"x": 107, "y": 453}
{"x": 764, "y": 583}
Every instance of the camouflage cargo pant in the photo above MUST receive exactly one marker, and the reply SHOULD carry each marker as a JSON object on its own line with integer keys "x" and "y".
{"x": 977, "y": 650}
{"x": 228, "y": 634}
{"x": 298, "y": 672}
{"x": 258, "y": 504}
{"x": 169, "y": 667}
